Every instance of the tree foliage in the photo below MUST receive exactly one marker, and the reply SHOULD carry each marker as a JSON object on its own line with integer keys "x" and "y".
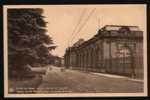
{"x": 28, "y": 42}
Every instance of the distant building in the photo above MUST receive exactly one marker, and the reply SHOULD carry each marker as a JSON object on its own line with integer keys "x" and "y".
{"x": 114, "y": 49}
{"x": 57, "y": 61}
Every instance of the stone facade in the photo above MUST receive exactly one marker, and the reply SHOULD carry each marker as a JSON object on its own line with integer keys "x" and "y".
{"x": 114, "y": 49}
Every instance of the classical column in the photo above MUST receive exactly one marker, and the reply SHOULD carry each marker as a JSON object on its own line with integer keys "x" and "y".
{"x": 133, "y": 55}
{"x": 102, "y": 55}
{"x": 79, "y": 60}
{"x": 70, "y": 60}
{"x": 85, "y": 60}
{"x": 82, "y": 59}
{"x": 97, "y": 58}
{"x": 74, "y": 60}
{"x": 91, "y": 59}
{"x": 86, "y": 57}
{"x": 94, "y": 59}
{"x": 110, "y": 57}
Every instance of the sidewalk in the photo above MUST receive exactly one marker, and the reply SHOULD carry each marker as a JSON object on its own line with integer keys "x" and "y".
{"x": 116, "y": 76}
{"x": 112, "y": 76}
{"x": 106, "y": 75}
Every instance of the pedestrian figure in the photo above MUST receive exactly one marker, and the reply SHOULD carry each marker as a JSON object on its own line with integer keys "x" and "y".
{"x": 62, "y": 69}
{"x": 50, "y": 68}
{"x": 133, "y": 75}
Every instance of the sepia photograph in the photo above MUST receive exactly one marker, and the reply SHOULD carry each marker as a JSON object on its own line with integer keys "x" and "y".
{"x": 75, "y": 50}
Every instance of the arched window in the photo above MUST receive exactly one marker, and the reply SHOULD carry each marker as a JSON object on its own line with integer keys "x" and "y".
{"x": 124, "y": 52}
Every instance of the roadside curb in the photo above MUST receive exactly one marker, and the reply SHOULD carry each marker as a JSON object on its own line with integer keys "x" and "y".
{"x": 117, "y": 76}
{"x": 111, "y": 76}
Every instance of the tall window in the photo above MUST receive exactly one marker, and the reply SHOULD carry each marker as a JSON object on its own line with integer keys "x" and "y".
{"x": 124, "y": 55}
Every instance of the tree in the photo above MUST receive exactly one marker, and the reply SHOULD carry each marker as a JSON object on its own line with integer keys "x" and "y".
{"x": 28, "y": 42}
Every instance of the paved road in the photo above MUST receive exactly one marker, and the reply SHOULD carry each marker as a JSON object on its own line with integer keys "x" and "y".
{"x": 56, "y": 80}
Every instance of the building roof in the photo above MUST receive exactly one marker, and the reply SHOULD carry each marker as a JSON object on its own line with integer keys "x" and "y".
{"x": 118, "y": 27}
{"x": 120, "y": 31}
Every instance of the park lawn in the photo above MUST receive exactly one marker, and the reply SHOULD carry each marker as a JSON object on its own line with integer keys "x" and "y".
{"x": 25, "y": 85}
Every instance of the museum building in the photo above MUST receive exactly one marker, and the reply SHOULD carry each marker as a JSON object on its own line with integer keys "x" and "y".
{"x": 115, "y": 49}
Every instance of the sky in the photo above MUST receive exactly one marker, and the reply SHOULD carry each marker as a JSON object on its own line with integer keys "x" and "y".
{"x": 62, "y": 20}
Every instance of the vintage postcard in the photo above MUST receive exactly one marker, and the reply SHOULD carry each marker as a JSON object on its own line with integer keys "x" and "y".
{"x": 75, "y": 50}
